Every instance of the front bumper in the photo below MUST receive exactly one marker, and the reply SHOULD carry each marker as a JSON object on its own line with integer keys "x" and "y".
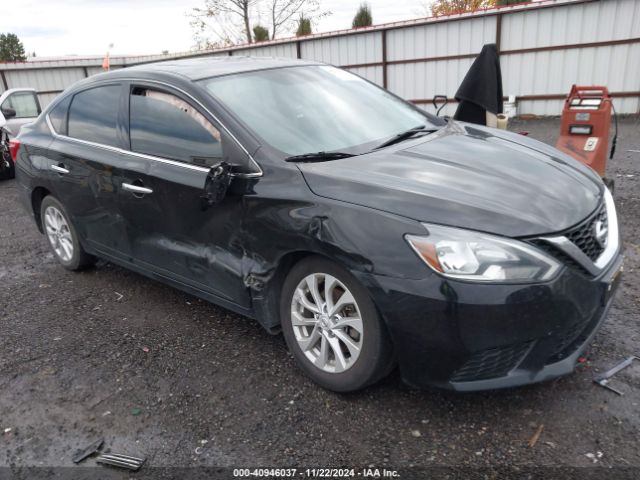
{"x": 469, "y": 336}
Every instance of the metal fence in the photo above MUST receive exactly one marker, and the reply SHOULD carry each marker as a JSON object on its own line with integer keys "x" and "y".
{"x": 545, "y": 47}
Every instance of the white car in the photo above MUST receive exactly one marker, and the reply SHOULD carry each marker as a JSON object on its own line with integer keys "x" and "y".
{"x": 19, "y": 106}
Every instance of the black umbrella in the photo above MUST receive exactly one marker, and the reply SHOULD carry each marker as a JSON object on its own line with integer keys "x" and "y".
{"x": 481, "y": 90}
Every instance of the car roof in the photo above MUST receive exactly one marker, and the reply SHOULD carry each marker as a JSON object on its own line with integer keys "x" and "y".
{"x": 207, "y": 67}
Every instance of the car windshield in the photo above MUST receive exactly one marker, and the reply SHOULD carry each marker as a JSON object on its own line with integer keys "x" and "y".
{"x": 320, "y": 108}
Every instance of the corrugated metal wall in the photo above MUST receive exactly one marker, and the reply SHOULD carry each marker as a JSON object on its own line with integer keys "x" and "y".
{"x": 546, "y": 46}
{"x": 543, "y": 72}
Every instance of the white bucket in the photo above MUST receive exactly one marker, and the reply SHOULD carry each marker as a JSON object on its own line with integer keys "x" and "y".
{"x": 509, "y": 107}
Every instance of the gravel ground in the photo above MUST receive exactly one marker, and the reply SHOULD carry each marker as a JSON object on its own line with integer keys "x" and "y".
{"x": 156, "y": 372}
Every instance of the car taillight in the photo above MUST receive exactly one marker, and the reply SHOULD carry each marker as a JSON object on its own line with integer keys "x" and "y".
{"x": 14, "y": 145}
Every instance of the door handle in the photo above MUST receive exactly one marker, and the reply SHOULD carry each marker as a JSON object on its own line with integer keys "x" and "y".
{"x": 60, "y": 168}
{"x": 136, "y": 189}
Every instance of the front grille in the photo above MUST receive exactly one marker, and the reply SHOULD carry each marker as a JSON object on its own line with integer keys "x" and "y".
{"x": 583, "y": 236}
{"x": 560, "y": 255}
{"x": 492, "y": 362}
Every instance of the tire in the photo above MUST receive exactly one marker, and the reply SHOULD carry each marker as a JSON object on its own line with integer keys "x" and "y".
{"x": 9, "y": 172}
{"x": 62, "y": 236}
{"x": 314, "y": 339}
{"x": 12, "y": 171}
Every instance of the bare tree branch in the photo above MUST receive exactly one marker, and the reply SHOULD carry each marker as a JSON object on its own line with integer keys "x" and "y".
{"x": 229, "y": 21}
{"x": 222, "y": 18}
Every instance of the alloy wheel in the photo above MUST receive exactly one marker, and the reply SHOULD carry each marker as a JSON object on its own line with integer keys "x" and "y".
{"x": 327, "y": 323}
{"x": 59, "y": 233}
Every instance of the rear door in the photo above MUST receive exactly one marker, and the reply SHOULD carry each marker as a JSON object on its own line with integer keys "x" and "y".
{"x": 169, "y": 231}
{"x": 86, "y": 160}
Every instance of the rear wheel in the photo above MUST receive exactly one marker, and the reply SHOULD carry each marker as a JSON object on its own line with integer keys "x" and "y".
{"x": 62, "y": 236}
{"x": 332, "y": 327}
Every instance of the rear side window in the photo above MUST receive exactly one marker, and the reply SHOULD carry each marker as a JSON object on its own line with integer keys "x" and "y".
{"x": 58, "y": 116}
{"x": 166, "y": 126}
{"x": 93, "y": 115}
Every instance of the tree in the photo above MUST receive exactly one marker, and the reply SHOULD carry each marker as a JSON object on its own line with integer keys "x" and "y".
{"x": 260, "y": 34}
{"x": 363, "y": 16}
{"x": 304, "y": 26}
{"x": 229, "y": 21}
{"x": 446, "y": 7}
{"x": 11, "y": 48}
{"x": 283, "y": 13}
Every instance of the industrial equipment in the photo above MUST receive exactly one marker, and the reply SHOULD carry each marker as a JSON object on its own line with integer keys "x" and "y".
{"x": 585, "y": 125}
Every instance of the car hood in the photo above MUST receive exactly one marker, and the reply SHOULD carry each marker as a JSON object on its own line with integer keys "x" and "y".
{"x": 466, "y": 176}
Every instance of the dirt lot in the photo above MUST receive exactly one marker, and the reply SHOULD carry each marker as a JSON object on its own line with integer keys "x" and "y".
{"x": 109, "y": 353}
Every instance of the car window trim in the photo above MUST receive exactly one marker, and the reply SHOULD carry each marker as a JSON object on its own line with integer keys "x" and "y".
{"x": 257, "y": 174}
{"x": 122, "y": 150}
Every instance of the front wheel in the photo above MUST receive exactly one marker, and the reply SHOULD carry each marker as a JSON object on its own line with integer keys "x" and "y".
{"x": 7, "y": 168}
{"x": 332, "y": 327}
{"x": 62, "y": 236}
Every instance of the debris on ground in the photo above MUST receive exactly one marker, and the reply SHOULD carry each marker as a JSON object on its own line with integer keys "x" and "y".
{"x": 136, "y": 411}
{"x": 595, "y": 457}
{"x": 120, "y": 460}
{"x": 536, "y": 436}
{"x": 146, "y": 349}
{"x": 416, "y": 433}
{"x": 85, "y": 453}
{"x": 603, "y": 378}
{"x": 7, "y": 430}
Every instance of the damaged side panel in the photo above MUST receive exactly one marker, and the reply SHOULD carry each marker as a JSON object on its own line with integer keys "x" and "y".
{"x": 277, "y": 231}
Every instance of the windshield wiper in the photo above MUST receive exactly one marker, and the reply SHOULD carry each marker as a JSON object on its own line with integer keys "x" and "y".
{"x": 318, "y": 157}
{"x": 406, "y": 134}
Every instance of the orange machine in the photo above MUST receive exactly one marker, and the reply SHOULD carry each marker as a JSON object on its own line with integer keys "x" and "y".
{"x": 584, "y": 131}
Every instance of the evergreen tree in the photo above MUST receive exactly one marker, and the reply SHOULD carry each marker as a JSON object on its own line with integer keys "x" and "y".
{"x": 363, "y": 16}
{"x": 304, "y": 26}
{"x": 260, "y": 34}
{"x": 11, "y": 48}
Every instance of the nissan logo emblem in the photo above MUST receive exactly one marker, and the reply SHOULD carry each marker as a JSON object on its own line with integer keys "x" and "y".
{"x": 600, "y": 233}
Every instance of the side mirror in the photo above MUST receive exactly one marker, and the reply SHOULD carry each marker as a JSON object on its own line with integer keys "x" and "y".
{"x": 3, "y": 120}
{"x": 8, "y": 113}
{"x": 216, "y": 185}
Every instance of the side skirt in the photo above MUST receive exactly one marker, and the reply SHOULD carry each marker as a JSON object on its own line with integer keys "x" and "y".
{"x": 209, "y": 297}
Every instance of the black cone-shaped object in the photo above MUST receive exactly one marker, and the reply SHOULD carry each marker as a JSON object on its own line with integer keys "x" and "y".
{"x": 481, "y": 90}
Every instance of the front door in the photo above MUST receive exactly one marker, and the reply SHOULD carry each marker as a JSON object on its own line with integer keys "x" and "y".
{"x": 169, "y": 231}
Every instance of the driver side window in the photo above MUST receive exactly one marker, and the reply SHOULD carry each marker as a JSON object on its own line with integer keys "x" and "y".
{"x": 164, "y": 125}
{"x": 24, "y": 103}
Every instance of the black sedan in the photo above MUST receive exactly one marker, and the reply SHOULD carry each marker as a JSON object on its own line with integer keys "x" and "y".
{"x": 366, "y": 230}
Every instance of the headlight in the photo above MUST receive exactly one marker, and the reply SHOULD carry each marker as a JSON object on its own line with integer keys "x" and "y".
{"x": 469, "y": 255}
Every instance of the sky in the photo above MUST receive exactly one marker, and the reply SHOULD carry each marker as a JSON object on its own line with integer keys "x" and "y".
{"x": 88, "y": 27}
